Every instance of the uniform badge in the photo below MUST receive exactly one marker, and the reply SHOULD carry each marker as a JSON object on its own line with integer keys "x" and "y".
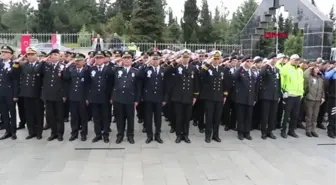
{"x": 210, "y": 72}
{"x": 231, "y": 70}
{"x": 180, "y": 70}
{"x": 277, "y": 76}
{"x": 82, "y": 79}
{"x": 149, "y": 73}
{"x": 37, "y": 74}
{"x": 93, "y": 73}
{"x": 61, "y": 67}
{"x": 222, "y": 75}
{"x": 162, "y": 74}
{"x": 133, "y": 75}
{"x": 9, "y": 69}
{"x": 197, "y": 66}
{"x": 192, "y": 74}
{"x": 314, "y": 81}
{"x": 119, "y": 73}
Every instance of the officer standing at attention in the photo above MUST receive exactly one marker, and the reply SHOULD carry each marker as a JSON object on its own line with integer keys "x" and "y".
{"x": 78, "y": 76}
{"x": 331, "y": 76}
{"x": 54, "y": 94}
{"x": 245, "y": 97}
{"x": 269, "y": 96}
{"x": 98, "y": 97}
{"x": 125, "y": 97}
{"x": 108, "y": 63}
{"x": 30, "y": 91}
{"x": 214, "y": 92}
{"x": 9, "y": 91}
{"x": 184, "y": 93}
{"x": 153, "y": 95}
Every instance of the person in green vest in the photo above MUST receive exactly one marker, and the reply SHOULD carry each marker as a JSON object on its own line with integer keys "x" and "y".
{"x": 132, "y": 47}
{"x": 281, "y": 61}
{"x": 292, "y": 85}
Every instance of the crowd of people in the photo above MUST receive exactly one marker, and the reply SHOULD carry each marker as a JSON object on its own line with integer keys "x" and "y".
{"x": 208, "y": 89}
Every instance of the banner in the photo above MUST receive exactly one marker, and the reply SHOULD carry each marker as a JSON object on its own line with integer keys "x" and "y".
{"x": 25, "y": 42}
{"x": 56, "y": 41}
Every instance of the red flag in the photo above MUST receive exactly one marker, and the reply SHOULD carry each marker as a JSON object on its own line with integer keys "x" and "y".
{"x": 54, "y": 41}
{"x": 25, "y": 43}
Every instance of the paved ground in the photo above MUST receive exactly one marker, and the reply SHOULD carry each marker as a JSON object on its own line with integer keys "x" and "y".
{"x": 281, "y": 162}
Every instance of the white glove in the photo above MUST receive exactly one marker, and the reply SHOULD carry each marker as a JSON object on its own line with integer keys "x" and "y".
{"x": 285, "y": 95}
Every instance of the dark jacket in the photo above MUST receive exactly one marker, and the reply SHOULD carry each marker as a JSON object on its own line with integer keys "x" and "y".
{"x": 269, "y": 87}
{"x": 245, "y": 87}
{"x": 78, "y": 83}
{"x": 9, "y": 80}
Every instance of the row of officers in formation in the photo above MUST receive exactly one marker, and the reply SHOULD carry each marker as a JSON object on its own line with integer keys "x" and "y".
{"x": 240, "y": 92}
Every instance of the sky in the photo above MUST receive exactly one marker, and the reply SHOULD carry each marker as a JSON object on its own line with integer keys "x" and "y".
{"x": 178, "y": 5}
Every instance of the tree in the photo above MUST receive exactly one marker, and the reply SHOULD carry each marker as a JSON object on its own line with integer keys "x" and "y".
{"x": 281, "y": 28}
{"x": 221, "y": 26}
{"x": 333, "y": 18}
{"x": 294, "y": 45}
{"x": 190, "y": 18}
{"x": 170, "y": 16}
{"x": 217, "y": 15}
{"x": 44, "y": 16}
{"x": 205, "y": 30}
{"x": 84, "y": 37}
{"x": 126, "y": 8}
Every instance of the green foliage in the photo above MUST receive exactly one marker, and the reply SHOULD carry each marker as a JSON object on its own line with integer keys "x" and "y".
{"x": 84, "y": 37}
{"x": 294, "y": 45}
{"x": 206, "y": 28}
{"x": 190, "y": 18}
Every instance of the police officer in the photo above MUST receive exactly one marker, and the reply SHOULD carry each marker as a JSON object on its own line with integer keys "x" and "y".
{"x": 269, "y": 96}
{"x": 116, "y": 60}
{"x": 30, "y": 91}
{"x": 245, "y": 97}
{"x": 20, "y": 103}
{"x": 184, "y": 93}
{"x": 98, "y": 97}
{"x": 214, "y": 92}
{"x": 256, "y": 68}
{"x": 109, "y": 64}
{"x": 78, "y": 76}
{"x": 68, "y": 56}
{"x": 153, "y": 95}
{"x": 125, "y": 97}
{"x": 54, "y": 93}
{"x": 9, "y": 91}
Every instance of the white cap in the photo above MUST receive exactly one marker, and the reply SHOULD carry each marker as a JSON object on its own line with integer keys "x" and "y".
{"x": 265, "y": 60}
{"x": 294, "y": 57}
{"x": 280, "y": 55}
{"x": 256, "y": 58}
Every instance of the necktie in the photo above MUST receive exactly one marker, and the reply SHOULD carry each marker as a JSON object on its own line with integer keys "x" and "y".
{"x": 100, "y": 69}
{"x": 78, "y": 71}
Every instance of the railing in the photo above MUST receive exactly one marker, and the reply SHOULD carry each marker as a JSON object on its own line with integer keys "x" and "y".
{"x": 84, "y": 41}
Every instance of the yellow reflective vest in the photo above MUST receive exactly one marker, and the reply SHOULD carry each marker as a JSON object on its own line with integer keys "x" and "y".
{"x": 292, "y": 80}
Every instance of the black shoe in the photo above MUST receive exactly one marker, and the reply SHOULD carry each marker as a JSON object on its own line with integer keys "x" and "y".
{"x": 60, "y": 138}
{"x": 158, "y": 139}
{"x": 248, "y": 137}
{"x": 72, "y": 138}
{"x": 202, "y": 130}
{"x": 140, "y": 121}
{"x": 172, "y": 130}
{"x": 83, "y": 138}
{"x": 240, "y": 136}
{"x": 331, "y": 135}
{"x": 293, "y": 134}
{"x": 283, "y": 134}
{"x": 52, "y": 137}
{"x": 217, "y": 139}
{"x": 106, "y": 139}
{"x": 66, "y": 120}
{"x": 226, "y": 128}
{"x": 314, "y": 134}
{"x": 207, "y": 140}
{"x": 46, "y": 127}
{"x": 321, "y": 126}
{"x": 264, "y": 136}
{"x": 178, "y": 139}
{"x": 195, "y": 123}
{"x": 38, "y": 137}
{"x": 271, "y": 135}
{"x": 300, "y": 125}
{"x": 148, "y": 140}
{"x": 21, "y": 126}
{"x": 114, "y": 120}
{"x": 186, "y": 139}
{"x": 309, "y": 134}
{"x": 119, "y": 139}
{"x": 14, "y": 137}
{"x": 96, "y": 139}
{"x": 30, "y": 137}
{"x": 130, "y": 139}
{"x": 166, "y": 119}
{"x": 109, "y": 129}
{"x": 143, "y": 130}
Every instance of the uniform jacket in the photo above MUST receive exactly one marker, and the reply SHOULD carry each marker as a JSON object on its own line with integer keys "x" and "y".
{"x": 98, "y": 85}
{"x": 125, "y": 86}
{"x": 185, "y": 85}
{"x": 214, "y": 87}
{"x": 78, "y": 83}
{"x": 245, "y": 87}
{"x": 9, "y": 79}
{"x": 313, "y": 87}
{"x": 270, "y": 87}
{"x": 30, "y": 80}
{"x": 153, "y": 85}
{"x": 54, "y": 88}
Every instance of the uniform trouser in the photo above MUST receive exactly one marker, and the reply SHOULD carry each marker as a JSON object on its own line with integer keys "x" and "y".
{"x": 213, "y": 112}
{"x": 332, "y": 115}
{"x": 55, "y": 118}
{"x": 123, "y": 113}
{"x": 229, "y": 114}
{"x": 34, "y": 112}
{"x": 21, "y": 108}
{"x": 165, "y": 110}
{"x": 280, "y": 112}
{"x": 8, "y": 113}
{"x": 311, "y": 112}
{"x": 302, "y": 114}
{"x": 244, "y": 117}
{"x": 199, "y": 112}
{"x": 291, "y": 113}
{"x": 153, "y": 109}
{"x": 322, "y": 112}
{"x": 183, "y": 113}
{"x": 109, "y": 114}
{"x": 140, "y": 111}
{"x": 100, "y": 118}
{"x": 78, "y": 118}
{"x": 89, "y": 112}
{"x": 172, "y": 115}
{"x": 268, "y": 115}
{"x": 256, "y": 115}
{"x": 66, "y": 109}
